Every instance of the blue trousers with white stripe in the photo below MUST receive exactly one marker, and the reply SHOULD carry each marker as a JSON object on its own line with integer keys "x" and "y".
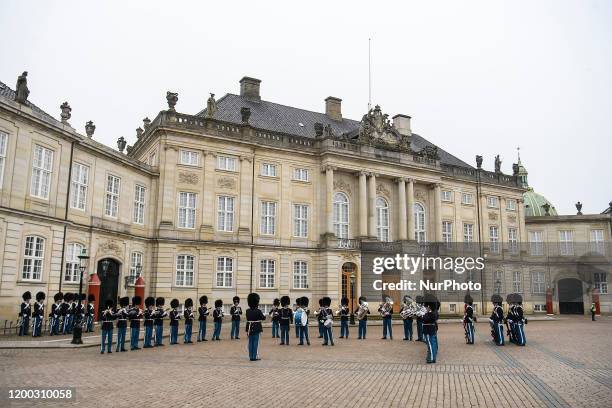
{"x": 498, "y": 332}
{"x": 519, "y": 334}
{"x": 469, "y": 333}
{"x": 432, "y": 347}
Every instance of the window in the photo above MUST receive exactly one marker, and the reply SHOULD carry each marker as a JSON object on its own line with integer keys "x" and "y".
{"x": 78, "y": 187}
{"x": 494, "y": 238}
{"x": 301, "y": 174}
{"x": 33, "y": 256}
{"x": 536, "y": 243}
{"x": 225, "y": 214}
{"x": 300, "y": 275}
{"x": 42, "y": 165}
{"x": 447, "y": 195}
{"x": 268, "y": 217}
{"x": 72, "y": 267}
{"x": 510, "y": 204}
{"x": 566, "y": 242}
{"x": 341, "y": 215}
{"x": 512, "y": 240}
{"x": 226, "y": 163}
{"x": 419, "y": 223}
{"x": 135, "y": 261}
{"x": 467, "y": 198}
{"x": 186, "y": 210}
{"x": 498, "y": 281}
{"x": 517, "y": 282}
{"x": 539, "y": 307}
{"x": 492, "y": 202}
{"x": 597, "y": 241}
{"x": 113, "y": 185}
{"x": 452, "y": 308}
{"x": 3, "y": 144}
{"x": 601, "y": 282}
{"x": 538, "y": 282}
{"x": 267, "y": 273}
{"x": 139, "y": 204}
{"x": 225, "y": 272}
{"x": 189, "y": 157}
{"x": 184, "y": 270}
{"x": 382, "y": 219}
{"x": 268, "y": 170}
{"x": 468, "y": 234}
{"x": 447, "y": 233}
{"x": 300, "y": 220}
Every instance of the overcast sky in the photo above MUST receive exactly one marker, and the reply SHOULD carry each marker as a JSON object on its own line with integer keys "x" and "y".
{"x": 477, "y": 77}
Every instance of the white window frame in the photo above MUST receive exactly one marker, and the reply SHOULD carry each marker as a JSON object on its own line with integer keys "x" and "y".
{"x": 517, "y": 282}
{"x": 447, "y": 233}
{"x": 300, "y": 220}
{"x": 468, "y": 234}
{"x": 447, "y": 196}
{"x": 538, "y": 282}
{"x": 539, "y": 307}
{"x": 139, "y": 204}
{"x": 189, "y": 158}
{"x": 268, "y": 217}
{"x": 72, "y": 263}
{"x": 513, "y": 240}
{"x": 113, "y": 190}
{"x": 498, "y": 275}
{"x": 78, "y": 186}
{"x": 494, "y": 238}
{"x": 135, "y": 259}
{"x": 33, "y": 258}
{"x": 226, "y": 206}
{"x": 597, "y": 241}
{"x": 267, "y": 273}
{"x": 510, "y": 204}
{"x": 301, "y": 174}
{"x": 3, "y": 149}
{"x": 300, "y": 274}
{"x": 383, "y": 230}
{"x": 601, "y": 282}
{"x": 467, "y": 198}
{"x": 185, "y": 270}
{"x": 492, "y": 202}
{"x": 420, "y": 223}
{"x": 187, "y": 204}
{"x": 341, "y": 215}
{"x": 226, "y": 163}
{"x": 566, "y": 242}
{"x": 42, "y": 168}
{"x": 269, "y": 169}
{"x": 224, "y": 273}
{"x": 536, "y": 243}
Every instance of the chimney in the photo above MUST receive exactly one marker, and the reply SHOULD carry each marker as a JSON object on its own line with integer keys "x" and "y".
{"x": 249, "y": 88}
{"x": 333, "y": 107}
{"x": 401, "y": 123}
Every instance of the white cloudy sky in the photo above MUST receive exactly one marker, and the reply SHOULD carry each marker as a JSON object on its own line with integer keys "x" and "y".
{"x": 478, "y": 77}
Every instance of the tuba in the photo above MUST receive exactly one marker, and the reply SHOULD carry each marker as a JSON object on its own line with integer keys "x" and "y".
{"x": 362, "y": 311}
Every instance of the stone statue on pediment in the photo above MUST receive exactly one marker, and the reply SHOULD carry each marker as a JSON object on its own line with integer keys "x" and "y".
{"x": 211, "y": 106}
{"x": 21, "y": 90}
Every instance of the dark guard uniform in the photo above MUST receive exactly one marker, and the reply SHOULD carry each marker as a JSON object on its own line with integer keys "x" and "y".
{"x": 497, "y": 320}
{"x": 519, "y": 322}
{"x": 469, "y": 319}
{"x": 66, "y": 305}
{"x": 39, "y": 314}
{"x": 407, "y": 314}
{"x": 362, "y": 313}
{"x": 175, "y": 316}
{"x": 430, "y": 327}
{"x": 217, "y": 319}
{"x": 236, "y": 312}
{"x": 202, "y": 315}
{"x": 90, "y": 313}
{"x": 159, "y": 315}
{"x": 56, "y": 314}
{"x": 419, "y": 320}
{"x": 386, "y": 312}
{"x": 286, "y": 318}
{"x": 319, "y": 322}
{"x": 275, "y": 318}
{"x": 134, "y": 315}
{"x": 149, "y": 316}
{"x": 188, "y": 315}
{"x": 108, "y": 315}
{"x": 344, "y": 318}
{"x": 122, "y": 318}
{"x": 327, "y": 318}
{"x": 303, "y": 320}
{"x": 254, "y": 318}
{"x": 25, "y": 312}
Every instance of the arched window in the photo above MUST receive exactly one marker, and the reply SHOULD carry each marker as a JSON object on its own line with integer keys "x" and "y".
{"x": 341, "y": 215}
{"x": 419, "y": 223}
{"x": 382, "y": 219}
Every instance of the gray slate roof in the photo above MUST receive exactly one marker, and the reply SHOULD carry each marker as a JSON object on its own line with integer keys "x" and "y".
{"x": 287, "y": 119}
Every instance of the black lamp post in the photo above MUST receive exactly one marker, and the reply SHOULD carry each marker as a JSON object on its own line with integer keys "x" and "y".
{"x": 352, "y": 280}
{"x": 77, "y": 331}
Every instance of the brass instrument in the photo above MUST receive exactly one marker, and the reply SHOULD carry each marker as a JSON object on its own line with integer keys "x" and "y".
{"x": 362, "y": 311}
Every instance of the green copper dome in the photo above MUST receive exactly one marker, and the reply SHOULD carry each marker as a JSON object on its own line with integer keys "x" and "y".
{"x": 535, "y": 204}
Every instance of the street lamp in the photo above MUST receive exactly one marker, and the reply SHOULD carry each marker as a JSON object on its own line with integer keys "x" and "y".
{"x": 352, "y": 280}
{"x": 105, "y": 265}
{"x": 78, "y": 326}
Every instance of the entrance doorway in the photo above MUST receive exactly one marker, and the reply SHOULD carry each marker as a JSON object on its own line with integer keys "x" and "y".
{"x": 570, "y": 296}
{"x": 109, "y": 282}
{"x": 347, "y": 269}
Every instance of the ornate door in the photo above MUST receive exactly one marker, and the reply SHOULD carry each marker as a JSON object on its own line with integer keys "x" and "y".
{"x": 109, "y": 282}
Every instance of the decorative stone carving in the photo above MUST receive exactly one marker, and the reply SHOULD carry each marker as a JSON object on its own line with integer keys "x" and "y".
{"x": 146, "y": 122}
{"x": 329, "y": 132}
{"x": 172, "y": 99}
{"x": 579, "y": 208}
{"x": 479, "y": 161}
{"x": 497, "y": 164}
{"x": 211, "y": 106}
{"x": 376, "y": 129}
{"x": 342, "y": 185}
{"x": 139, "y": 132}
{"x": 511, "y": 218}
{"x": 21, "y": 89}
{"x": 90, "y": 128}
{"x": 226, "y": 182}
{"x": 129, "y": 149}
{"x": 318, "y": 127}
{"x": 66, "y": 109}
{"x": 110, "y": 247}
{"x": 420, "y": 195}
{"x": 188, "y": 177}
{"x": 245, "y": 114}
{"x": 383, "y": 190}
{"x": 493, "y": 216}
{"x": 121, "y": 144}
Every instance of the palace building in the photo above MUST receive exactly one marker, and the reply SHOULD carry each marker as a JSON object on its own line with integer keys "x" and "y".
{"x": 251, "y": 195}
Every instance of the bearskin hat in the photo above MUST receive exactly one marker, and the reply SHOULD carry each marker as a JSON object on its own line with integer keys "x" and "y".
{"x": 91, "y": 297}
{"x": 276, "y": 302}
{"x": 218, "y": 303}
{"x": 285, "y": 300}
{"x": 497, "y": 299}
{"x": 150, "y": 301}
{"x": 305, "y": 301}
{"x": 68, "y": 297}
{"x": 468, "y": 300}
{"x": 419, "y": 299}
{"x": 321, "y": 302}
{"x": 40, "y": 296}
{"x": 83, "y": 297}
{"x": 109, "y": 303}
{"x": 236, "y": 299}
{"x": 203, "y": 300}
{"x": 26, "y": 296}
{"x": 431, "y": 301}
{"x": 124, "y": 301}
{"x": 518, "y": 298}
{"x": 326, "y": 301}
{"x": 298, "y": 302}
{"x": 362, "y": 299}
{"x": 344, "y": 301}
{"x": 160, "y": 301}
{"x": 136, "y": 300}
{"x": 189, "y": 302}
{"x": 174, "y": 303}
{"x": 58, "y": 296}
{"x": 510, "y": 298}
{"x": 253, "y": 300}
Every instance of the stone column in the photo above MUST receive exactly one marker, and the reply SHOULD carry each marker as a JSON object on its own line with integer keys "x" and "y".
{"x": 401, "y": 194}
{"x": 168, "y": 215}
{"x": 206, "y": 228}
{"x": 246, "y": 199}
{"x": 363, "y": 204}
{"x": 438, "y": 210}
{"x": 410, "y": 202}
{"x": 372, "y": 205}
{"x": 329, "y": 198}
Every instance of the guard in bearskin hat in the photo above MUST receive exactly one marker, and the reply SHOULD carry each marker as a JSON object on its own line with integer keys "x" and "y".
{"x": 254, "y": 318}
{"x": 175, "y": 316}
{"x": 497, "y": 320}
{"x": 327, "y": 318}
{"x": 108, "y": 315}
{"x": 66, "y": 313}
{"x": 159, "y": 315}
{"x": 217, "y": 319}
{"x": 518, "y": 320}
{"x": 319, "y": 322}
{"x": 203, "y": 312}
{"x": 25, "y": 312}
{"x": 386, "y": 312}
{"x": 122, "y": 318}
{"x": 134, "y": 315}
{"x": 419, "y": 320}
{"x": 344, "y": 317}
{"x": 90, "y": 312}
{"x": 236, "y": 312}
{"x": 510, "y": 317}
{"x": 148, "y": 321}
{"x": 274, "y": 313}
{"x": 430, "y": 326}
{"x": 303, "y": 320}
{"x": 39, "y": 314}
{"x": 55, "y": 314}
{"x": 188, "y": 315}
{"x": 469, "y": 319}
{"x": 285, "y": 315}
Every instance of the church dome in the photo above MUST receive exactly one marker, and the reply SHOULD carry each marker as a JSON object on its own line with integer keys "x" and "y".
{"x": 535, "y": 204}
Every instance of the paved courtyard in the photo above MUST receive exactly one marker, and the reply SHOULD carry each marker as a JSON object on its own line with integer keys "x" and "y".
{"x": 567, "y": 363}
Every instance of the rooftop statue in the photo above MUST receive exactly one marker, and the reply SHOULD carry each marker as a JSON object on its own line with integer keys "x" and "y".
{"x": 21, "y": 90}
{"x": 211, "y": 106}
